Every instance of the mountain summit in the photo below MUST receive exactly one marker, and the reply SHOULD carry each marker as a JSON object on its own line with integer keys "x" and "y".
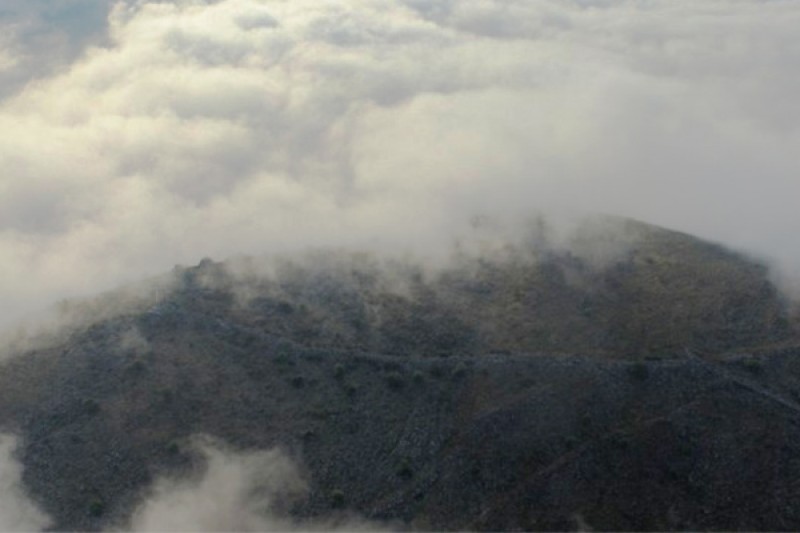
{"x": 626, "y": 377}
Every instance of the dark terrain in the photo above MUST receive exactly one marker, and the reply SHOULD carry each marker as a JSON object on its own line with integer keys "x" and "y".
{"x": 533, "y": 389}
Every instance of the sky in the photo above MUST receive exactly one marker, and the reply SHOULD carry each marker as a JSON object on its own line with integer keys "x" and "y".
{"x": 140, "y": 134}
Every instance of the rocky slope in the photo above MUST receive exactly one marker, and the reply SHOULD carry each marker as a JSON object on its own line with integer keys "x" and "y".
{"x": 534, "y": 388}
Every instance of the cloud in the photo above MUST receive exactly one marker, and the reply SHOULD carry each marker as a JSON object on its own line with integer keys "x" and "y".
{"x": 39, "y": 37}
{"x": 17, "y": 511}
{"x": 187, "y": 129}
{"x": 236, "y": 491}
{"x": 229, "y": 491}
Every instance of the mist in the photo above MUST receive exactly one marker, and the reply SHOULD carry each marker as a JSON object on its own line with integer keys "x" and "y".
{"x": 228, "y": 490}
{"x": 17, "y": 511}
{"x": 234, "y": 491}
{"x": 164, "y": 132}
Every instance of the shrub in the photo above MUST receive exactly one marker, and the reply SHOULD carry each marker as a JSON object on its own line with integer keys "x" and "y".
{"x": 338, "y": 371}
{"x": 96, "y": 507}
{"x": 91, "y": 407}
{"x": 337, "y": 498}
{"x": 404, "y": 469}
{"x": 460, "y": 370}
{"x": 571, "y": 442}
{"x": 284, "y": 356}
{"x": 638, "y": 371}
{"x": 753, "y": 366}
{"x": 167, "y": 396}
{"x": 351, "y": 389}
{"x": 395, "y": 380}
{"x": 137, "y": 368}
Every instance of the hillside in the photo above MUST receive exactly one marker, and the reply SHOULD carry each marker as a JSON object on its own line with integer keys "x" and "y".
{"x": 536, "y": 387}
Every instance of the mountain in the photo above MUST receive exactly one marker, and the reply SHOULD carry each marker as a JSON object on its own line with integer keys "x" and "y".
{"x": 629, "y": 377}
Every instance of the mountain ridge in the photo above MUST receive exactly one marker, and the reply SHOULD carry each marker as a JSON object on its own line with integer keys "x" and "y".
{"x": 437, "y": 399}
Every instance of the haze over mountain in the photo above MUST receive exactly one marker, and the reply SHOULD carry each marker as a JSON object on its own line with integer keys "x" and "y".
{"x": 405, "y": 320}
{"x": 521, "y": 384}
{"x": 139, "y": 135}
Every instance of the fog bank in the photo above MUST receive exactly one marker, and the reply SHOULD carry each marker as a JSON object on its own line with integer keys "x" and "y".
{"x": 166, "y": 131}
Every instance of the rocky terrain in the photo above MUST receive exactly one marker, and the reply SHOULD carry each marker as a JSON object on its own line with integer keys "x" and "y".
{"x": 534, "y": 387}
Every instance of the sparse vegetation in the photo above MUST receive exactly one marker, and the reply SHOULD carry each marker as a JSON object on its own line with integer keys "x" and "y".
{"x": 344, "y": 370}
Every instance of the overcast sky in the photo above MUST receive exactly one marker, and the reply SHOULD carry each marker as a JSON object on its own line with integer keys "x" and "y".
{"x": 137, "y": 135}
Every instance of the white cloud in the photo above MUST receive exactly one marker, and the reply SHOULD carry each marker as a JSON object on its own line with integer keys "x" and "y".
{"x": 17, "y": 511}
{"x": 246, "y": 126}
{"x": 236, "y": 492}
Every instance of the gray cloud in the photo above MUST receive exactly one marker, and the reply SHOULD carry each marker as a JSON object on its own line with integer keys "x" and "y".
{"x": 190, "y": 129}
{"x": 40, "y": 36}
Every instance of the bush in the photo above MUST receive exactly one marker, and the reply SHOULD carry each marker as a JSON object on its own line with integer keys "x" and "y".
{"x": 167, "y": 396}
{"x": 395, "y": 380}
{"x": 351, "y": 389}
{"x": 338, "y": 371}
{"x": 137, "y": 368}
{"x": 571, "y": 442}
{"x": 638, "y": 371}
{"x": 96, "y": 507}
{"x": 91, "y": 407}
{"x": 460, "y": 370}
{"x": 753, "y": 366}
{"x": 284, "y": 356}
{"x": 337, "y": 498}
{"x": 404, "y": 469}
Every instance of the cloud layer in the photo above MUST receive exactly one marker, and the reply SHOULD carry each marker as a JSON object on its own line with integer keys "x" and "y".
{"x": 177, "y": 130}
